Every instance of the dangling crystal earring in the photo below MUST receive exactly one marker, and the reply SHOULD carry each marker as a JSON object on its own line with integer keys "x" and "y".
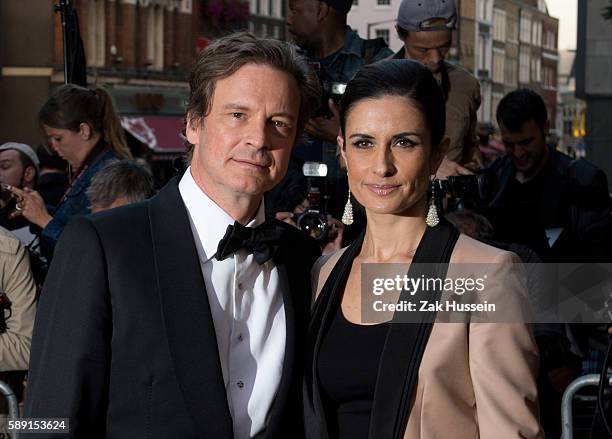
{"x": 432, "y": 219}
{"x": 347, "y": 216}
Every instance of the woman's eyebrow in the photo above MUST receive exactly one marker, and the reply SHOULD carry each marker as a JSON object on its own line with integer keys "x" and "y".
{"x": 362, "y": 136}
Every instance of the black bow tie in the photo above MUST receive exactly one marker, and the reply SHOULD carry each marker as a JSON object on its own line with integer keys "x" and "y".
{"x": 262, "y": 241}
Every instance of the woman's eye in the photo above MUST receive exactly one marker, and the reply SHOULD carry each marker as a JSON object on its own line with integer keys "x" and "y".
{"x": 362, "y": 144}
{"x": 405, "y": 143}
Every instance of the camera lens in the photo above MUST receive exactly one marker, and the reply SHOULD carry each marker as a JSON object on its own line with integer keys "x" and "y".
{"x": 313, "y": 225}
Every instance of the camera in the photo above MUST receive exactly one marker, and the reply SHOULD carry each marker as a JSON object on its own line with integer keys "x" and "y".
{"x": 329, "y": 90}
{"x": 467, "y": 191}
{"x": 313, "y": 221}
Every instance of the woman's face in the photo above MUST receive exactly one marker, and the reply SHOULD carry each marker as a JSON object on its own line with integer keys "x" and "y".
{"x": 68, "y": 144}
{"x": 388, "y": 153}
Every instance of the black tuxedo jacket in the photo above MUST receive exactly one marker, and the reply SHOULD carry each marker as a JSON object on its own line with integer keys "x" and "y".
{"x": 124, "y": 342}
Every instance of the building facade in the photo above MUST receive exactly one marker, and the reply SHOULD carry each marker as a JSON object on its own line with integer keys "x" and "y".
{"x": 267, "y": 18}
{"x": 376, "y": 19}
{"x": 593, "y": 84}
{"x": 141, "y": 51}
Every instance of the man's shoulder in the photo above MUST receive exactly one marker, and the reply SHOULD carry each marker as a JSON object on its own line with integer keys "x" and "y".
{"x": 580, "y": 171}
{"x": 9, "y": 242}
{"x": 462, "y": 79}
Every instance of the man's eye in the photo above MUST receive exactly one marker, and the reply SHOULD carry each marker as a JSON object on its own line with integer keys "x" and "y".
{"x": 238, "y": 115}
{"x": 279, "y": 124}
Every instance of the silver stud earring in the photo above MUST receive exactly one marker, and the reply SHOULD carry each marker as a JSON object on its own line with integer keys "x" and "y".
{"x": 432, "y": 219}
{"x": 347, "y": 216}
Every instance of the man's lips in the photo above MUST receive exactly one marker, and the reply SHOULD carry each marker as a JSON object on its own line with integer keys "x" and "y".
{"x": 251, "y": 163}
{"x": 382, "y": 189}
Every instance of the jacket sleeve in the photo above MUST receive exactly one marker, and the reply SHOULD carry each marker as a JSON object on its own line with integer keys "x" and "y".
{"x": 19, "y": 286}
{"x": 504, "y": 364}
{"x": 69, "y": 367}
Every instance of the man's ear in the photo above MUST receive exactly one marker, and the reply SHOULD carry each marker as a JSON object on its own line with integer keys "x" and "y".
{"x": 193, "y": 128}
{"x": 322, "y": 11}
{"x": 438, "y": 154}
{"x": 85, "y": 131}
{"x": 29, "y": 177}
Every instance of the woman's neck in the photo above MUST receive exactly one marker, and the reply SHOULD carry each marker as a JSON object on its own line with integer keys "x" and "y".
{"x": 77, "y": 162}
{"x": 392, "y": 238}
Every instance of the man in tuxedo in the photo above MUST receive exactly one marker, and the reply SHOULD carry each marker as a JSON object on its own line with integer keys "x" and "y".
{"x": 185, "y": 316}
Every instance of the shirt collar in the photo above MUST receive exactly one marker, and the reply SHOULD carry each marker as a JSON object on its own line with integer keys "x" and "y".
{"x": 209, "y": 221}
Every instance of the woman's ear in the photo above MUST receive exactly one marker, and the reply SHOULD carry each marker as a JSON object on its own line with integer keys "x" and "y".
{"x": 342, "y": 152}
{"x": 85, "y": 131}
{"x": 438, "y": 155}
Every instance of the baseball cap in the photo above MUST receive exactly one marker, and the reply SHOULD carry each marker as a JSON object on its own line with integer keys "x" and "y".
{"x": 22, "y": 147}
{"x": 427, "y": 15}
{"x": 343, "y": 6}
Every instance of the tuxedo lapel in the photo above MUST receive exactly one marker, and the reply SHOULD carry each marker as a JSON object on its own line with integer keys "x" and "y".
{"x": 186, "y": 314}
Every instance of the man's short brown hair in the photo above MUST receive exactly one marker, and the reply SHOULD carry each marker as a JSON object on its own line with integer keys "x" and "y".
{"x": 224, "y": 56}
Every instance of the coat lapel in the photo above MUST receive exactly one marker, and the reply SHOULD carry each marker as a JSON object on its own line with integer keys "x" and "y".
{"x": 186, "y": 314}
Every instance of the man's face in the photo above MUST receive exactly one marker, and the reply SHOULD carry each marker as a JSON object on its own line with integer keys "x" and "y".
{"x": 526, "y": 146}
{"x": 242, "y": 146}
{"x": 11, "y": 168}
{"x": 302, "y": 23}
{"x": 428, "y": 47}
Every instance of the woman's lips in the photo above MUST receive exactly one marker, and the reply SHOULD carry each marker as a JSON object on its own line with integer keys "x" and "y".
{"x": 382, "y": 189}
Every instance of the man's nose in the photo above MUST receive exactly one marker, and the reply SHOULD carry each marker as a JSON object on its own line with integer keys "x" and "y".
{"x": 257, "y": 134}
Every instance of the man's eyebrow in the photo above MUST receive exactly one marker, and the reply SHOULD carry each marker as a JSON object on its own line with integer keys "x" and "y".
{"x": 235, "y": 106}
{"x": 284, "y": 114}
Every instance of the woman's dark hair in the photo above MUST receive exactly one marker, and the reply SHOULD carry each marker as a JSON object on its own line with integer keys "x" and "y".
{"x": 404, "y": 78}
{"x": 520, "y": 106}
{"x": 71, "y": 105}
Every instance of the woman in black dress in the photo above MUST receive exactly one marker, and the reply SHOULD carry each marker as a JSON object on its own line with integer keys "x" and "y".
{"x": 427, "y": 380}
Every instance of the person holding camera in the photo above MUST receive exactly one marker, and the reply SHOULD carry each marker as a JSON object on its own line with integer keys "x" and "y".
{"x": 567, "y": 199}
{"x": 426, "y": 29}
{"x": 336, "y": 52}
{"x": 428, "y": 379}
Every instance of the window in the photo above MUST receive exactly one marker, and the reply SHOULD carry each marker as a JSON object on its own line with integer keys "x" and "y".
{"x": 495, "y": 100}
{"x": 524, "y": 64}
{"x": 536, "y": 69}
{"x": 536, "y": 34}
{"x": 96, "y": 34}
{"x": 483, "y": 58}
{"x": 383, "y": 2}
{"x": 485, "y": 10}
{"x": 499, "y": 25}
{"x": 384, "y": 34}
{"x": 525, "y": 27}
{"x": 355, "y": 2}
{"x": 512, "y": 30}
{"x": 155, "y": 37}
{"x": 550, "y": 40}
{"x": 499, "y": 60}
{"x": 511, "y": 68}
{"x": 542, "y": 6}
{"x": 549, "y": 77}
{"x": 186, "y": 6}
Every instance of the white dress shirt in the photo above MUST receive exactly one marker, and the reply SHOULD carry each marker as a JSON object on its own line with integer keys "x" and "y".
{"x": 247, "y": 310}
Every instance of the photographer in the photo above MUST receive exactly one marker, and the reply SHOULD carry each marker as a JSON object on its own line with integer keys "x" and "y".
{"x": 336, "y": 52}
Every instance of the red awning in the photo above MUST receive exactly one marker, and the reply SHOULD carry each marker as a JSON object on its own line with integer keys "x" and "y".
{"x": 160, "y": 133}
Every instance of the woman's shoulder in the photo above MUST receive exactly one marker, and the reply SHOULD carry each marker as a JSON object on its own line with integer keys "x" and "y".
{"x": 322, "y": 268}
{"x": 470, "y": 250}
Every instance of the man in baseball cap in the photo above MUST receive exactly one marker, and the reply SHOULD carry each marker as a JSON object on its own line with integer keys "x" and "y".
{"x": 19, "y": 166}
{"x": 426, "y": 28}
